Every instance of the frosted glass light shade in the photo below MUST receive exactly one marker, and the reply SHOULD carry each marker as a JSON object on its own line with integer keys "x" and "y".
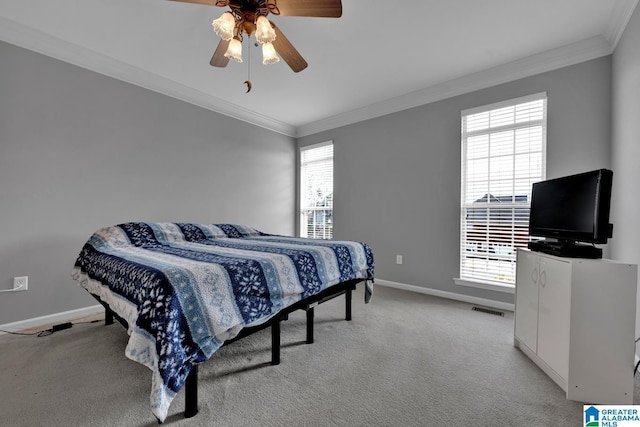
{"x": 224, "y": 26}
{"x": 269, "y": 55}
{"x": 234, "y": 51}
{"x": 264, "y": 31}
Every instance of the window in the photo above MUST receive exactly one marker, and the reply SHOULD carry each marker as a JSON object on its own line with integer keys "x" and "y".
{"x": 316, "y": 191}
{"x": 503, "y": 154}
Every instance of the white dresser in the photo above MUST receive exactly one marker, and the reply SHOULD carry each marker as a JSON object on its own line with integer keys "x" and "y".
{"x": 575, "y": 318}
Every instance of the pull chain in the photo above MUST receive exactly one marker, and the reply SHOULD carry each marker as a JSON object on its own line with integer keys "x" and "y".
{"x": 248, "y": 81}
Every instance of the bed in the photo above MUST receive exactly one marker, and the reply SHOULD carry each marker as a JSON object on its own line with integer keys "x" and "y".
{"x": 183, "y": 290}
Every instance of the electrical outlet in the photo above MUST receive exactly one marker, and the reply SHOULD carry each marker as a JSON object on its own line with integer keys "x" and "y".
{"x": 398, "y": 259}
{"x": 20, "y": 283}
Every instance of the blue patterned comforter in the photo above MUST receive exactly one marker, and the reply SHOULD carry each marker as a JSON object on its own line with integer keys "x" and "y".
{"x": 185, "y": 289}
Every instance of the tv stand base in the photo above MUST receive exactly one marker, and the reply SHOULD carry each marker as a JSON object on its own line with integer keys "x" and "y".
{"x": 568, "y": 250}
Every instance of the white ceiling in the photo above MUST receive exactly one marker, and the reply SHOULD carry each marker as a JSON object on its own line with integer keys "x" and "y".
{"x": 379, "y": 57}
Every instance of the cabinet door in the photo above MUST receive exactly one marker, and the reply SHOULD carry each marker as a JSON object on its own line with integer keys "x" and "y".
{"x": 526, "y": 313}
{"x": 554, "y": 313}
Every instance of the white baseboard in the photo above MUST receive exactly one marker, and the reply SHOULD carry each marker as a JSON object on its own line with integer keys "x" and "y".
{"x": 449, "y": 295}
{"x": 65, "y": 316}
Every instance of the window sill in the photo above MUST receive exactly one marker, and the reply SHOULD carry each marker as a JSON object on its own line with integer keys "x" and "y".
{"x": 498, "y": 287}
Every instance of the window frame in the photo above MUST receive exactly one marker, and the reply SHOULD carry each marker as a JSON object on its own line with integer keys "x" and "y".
{"x": 516, "y": 217}
{"x": 302, "y": 230}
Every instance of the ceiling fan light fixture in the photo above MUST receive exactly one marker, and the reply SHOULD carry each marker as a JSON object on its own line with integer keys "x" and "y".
{"x": 249, "y": 17}
{"x": 225, "y": 26}
{"x": 234, "y": 51}
{"x": 264, "y": 31}
{"x": 269, "y": 55}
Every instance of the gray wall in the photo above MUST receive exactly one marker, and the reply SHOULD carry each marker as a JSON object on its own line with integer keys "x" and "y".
{"x": 397, "y": 177}
{"x": 626, "y": 146}
{"x": 79, "y": 151}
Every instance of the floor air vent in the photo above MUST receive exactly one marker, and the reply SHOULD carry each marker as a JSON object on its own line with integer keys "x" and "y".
{"x": 488, "y": 310}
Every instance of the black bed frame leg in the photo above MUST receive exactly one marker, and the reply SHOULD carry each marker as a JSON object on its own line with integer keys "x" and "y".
{"x": 275, "y": 343}
{"x": 108, "y": 316}
{"x": 348, "y": 298}
{"x": 310, "y": 316}
{"x": 191, "y": 393}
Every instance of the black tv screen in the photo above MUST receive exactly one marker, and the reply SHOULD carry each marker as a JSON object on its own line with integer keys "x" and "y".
{"x": 572, "y": 208}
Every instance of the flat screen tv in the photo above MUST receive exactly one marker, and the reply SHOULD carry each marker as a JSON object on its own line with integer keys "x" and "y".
{"x": 572, "y": 210}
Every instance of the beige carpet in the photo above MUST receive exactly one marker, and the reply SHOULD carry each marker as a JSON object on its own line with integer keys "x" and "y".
{"x": 405, "y": 360}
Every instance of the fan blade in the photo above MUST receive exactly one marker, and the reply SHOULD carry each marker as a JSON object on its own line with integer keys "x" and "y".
{"x": 220, "y": 3}
{"x": 289, "y": 53}
{"x": 218, "y": 59}
{"x": 316, "y": 8}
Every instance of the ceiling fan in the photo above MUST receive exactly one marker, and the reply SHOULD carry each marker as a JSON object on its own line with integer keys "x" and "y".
{"x": 249, "y": 17}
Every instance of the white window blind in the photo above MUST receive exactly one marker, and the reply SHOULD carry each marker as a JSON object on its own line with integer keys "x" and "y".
{"x": 503, "y": 154}
{"x": 316, "y": 191}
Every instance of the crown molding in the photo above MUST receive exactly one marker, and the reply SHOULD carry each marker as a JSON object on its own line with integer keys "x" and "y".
{"x": 620, "y": 16}
{"x": 34, "y": 40}
{"x": 585, "y": 50}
